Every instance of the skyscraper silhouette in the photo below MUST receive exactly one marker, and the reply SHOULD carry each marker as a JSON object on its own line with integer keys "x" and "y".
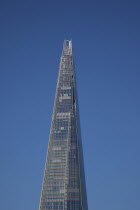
{"x": 64, "y": 181}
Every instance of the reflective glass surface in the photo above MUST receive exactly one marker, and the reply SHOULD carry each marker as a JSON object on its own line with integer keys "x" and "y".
{"x": 64, "y": 183}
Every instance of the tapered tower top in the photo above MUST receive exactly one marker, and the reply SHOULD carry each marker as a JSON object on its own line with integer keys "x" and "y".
{"x": 64, "y": 182}
{"x": 67, "y": 47}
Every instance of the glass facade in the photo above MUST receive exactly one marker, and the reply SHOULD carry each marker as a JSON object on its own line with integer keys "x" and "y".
{"x": 64, "y": 182}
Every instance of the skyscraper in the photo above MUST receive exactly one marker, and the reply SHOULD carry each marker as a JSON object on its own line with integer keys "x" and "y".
{"x": 64, "y": 181}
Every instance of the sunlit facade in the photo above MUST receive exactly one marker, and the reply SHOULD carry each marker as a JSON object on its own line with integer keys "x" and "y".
{"x": 64, "y": 181}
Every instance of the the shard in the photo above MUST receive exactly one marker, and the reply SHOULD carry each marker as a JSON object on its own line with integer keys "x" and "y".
{"x": 64, "y": 180}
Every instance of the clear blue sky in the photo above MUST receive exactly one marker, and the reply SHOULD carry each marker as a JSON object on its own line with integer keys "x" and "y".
{"x": 106, "y": 42}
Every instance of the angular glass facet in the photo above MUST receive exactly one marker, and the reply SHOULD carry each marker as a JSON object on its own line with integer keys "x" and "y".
{"x": 64, "y": 181}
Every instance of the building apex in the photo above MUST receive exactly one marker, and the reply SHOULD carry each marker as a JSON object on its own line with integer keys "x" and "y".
{"x": 67, "y": 47}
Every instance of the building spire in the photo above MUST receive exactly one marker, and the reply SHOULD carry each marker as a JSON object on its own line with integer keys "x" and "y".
{"x": 67, "y": 47}
{"x": 64, "y": 181}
